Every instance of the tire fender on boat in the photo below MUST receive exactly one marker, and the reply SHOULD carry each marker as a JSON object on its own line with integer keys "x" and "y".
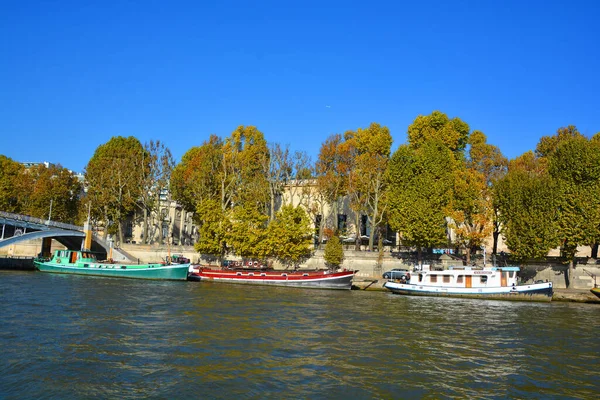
{"x": 58, "y": 260}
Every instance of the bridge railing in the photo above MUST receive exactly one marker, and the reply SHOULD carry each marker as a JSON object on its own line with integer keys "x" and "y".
{"x": 39, "y": 221}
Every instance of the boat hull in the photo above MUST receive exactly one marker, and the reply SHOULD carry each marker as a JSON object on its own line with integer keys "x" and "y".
{"x": 149, "y": 271}
{"x": 533, "y": 292}
{"x": 314, "y": 280}
{"x": 596, "y": 291}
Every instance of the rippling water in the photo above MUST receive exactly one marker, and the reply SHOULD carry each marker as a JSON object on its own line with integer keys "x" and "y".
{"x": 83, "y": 337}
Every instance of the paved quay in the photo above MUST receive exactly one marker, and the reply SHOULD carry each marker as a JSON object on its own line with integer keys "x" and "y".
{"x": 566, "y": 295}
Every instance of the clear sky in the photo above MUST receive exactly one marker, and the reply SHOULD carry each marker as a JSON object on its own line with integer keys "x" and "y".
{"x": 73, "y": 74}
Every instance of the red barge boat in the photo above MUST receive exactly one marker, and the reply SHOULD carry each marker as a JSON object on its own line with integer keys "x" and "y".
{"x": 321, "y": 279}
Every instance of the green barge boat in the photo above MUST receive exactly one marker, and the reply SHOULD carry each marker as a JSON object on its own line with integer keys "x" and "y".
{"x": 86, "y": 263}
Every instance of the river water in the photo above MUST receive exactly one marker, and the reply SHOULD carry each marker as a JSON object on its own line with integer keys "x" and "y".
{"x": 75, "y": 337}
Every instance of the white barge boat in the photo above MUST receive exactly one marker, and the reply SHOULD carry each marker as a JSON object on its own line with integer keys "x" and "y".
{"x": 489, "y": 282}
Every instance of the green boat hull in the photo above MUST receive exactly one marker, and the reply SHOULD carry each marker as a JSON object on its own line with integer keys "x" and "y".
{"x": 84, "y": 263}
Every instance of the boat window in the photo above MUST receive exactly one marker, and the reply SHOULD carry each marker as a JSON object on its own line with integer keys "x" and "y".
{"x": 459, "y": 279}
{"x": 251, "y": 274}
{"x": 433, "y": 278}
{"x": 446, "y": 278}
{"x": 483, "y": 279}
{"x": 283, "y": 274}
{"x": 305, "y": 274}
{"x": 420, "y": 277}
{"x": 239, "y": 273}
{"x": 511, "y": 274}
{"x": 263, "y": 274}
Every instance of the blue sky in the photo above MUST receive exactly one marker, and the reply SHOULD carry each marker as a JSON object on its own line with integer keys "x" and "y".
{"x": 73, "y": 74}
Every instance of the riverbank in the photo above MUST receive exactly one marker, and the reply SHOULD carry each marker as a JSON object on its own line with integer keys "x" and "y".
{"x": 560, "y": 294}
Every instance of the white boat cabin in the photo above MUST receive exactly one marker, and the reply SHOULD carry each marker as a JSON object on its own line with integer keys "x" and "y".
{"x": 464, "y": 277}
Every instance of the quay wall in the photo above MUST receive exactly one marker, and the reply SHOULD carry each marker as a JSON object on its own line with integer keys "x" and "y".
{"x": 370, "y": 265}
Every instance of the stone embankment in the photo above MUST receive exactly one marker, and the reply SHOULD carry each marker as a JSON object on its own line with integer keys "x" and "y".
{"x": 561, "y": 294}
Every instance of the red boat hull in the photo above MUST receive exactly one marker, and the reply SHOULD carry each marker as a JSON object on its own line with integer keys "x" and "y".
{"x": 306, "y": 279}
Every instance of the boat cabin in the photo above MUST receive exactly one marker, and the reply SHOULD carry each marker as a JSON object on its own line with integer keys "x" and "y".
{"x": 72, "y": 256}
{"x": 466, "y": 277}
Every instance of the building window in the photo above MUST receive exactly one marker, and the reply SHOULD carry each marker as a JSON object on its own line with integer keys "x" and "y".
{"x": 341, "y": 223}
{"x": 364, "y": 225}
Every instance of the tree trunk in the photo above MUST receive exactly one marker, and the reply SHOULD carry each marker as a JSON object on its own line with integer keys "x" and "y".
{"x": 495, "y": 246}
{"x": 419, "y": 255}
{"x": 357, "y": 238}
{"x": 120, "y": 232}
{"x": 595, "y": 250}
{"x": 468, "y": 255}
{"x": 569, "y": 280}
{"x": 145, "y": 230}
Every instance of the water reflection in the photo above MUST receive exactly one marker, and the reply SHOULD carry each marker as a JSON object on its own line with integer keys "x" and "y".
{"x": 82, "y": 337}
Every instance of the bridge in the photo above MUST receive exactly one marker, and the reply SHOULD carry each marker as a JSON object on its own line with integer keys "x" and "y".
{"x": 17, "y": 228}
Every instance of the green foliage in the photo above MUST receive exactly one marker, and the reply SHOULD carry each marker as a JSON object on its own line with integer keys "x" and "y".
{"x": 334, "y": 252}
{"x": 114, "y": 175}
{"x": 575, "y": 165}
{"x": 247, "y": 231}
{"x": 289, "y": 236}
{"x": 11, "y": 173}
{"x": 528, "y": 211}
{"x": 453, "y": 133}
{"x": 213, "y": 228}
{"x": 56, "y": 185}
{"x": 548, "y": 144}
{"x": 420, "y": 183}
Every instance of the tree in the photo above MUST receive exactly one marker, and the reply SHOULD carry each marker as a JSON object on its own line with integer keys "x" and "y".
{"x": 52, "y": 187}
{"x": 420, "y": 183}
{"x": 488, "y": 161}
{"x": 113, "y": 176}
{"x": 155, "y": 166}
{"x": 526, "y": 198}
{"x": 453, "y": 133}
{"x": 234, "y": 172}
{"x": 333, "y": 253}
{"x": 213, "y": 227}
{"x": 575, "y": 166}
{"x": 548, "y": 144}
{"x": 11, "y": 173}
{"x": 332, "y": 169}
{"x": 373, "y": 153}
{"x": 289, "y": 236}
{"x": 470, "y": 210}
{"x": 248, "y": 231}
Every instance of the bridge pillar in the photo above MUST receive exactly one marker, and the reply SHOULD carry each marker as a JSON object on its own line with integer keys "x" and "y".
{"x": 46, "y": 247}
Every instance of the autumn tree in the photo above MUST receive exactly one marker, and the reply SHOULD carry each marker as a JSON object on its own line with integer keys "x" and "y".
{"x": 11, "y": 173}
{"x": 234, "y": 173}
{"x": 113, "y": 181}
{"x": 332, "y": 168}
{"x": 488, "y": 160}
{"x": 51, "y": 188}
{"x": 373, "y": 147}
{"x": 470, "y": 210}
